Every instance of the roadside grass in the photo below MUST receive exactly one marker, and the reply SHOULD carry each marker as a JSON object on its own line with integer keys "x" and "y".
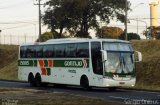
{"x": 8, "y": 53}
{"x": 8, "y": 62}
{"x": 38, "y": 97}
{"x": 10, "y": 71}
{"x": 148, "y": 71}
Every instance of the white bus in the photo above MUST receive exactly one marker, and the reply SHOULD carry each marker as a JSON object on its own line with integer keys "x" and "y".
{"x": 85, "y": 62}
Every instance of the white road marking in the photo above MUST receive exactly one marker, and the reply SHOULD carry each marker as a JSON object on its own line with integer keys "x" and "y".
{"x": 118, "y": 97}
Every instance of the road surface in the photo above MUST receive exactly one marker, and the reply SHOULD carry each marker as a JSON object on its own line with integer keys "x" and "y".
{"x": 121, "y": 95}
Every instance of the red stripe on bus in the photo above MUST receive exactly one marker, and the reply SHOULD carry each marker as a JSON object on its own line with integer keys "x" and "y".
{"x": 50, "y": 63}
{"x": 41, "y": 63}
{"x": 44, "y": 71}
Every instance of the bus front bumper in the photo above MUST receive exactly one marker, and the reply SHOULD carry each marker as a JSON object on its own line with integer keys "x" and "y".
{"x": 119, "y": 83}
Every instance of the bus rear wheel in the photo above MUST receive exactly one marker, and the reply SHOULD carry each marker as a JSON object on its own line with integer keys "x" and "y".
{"x": 38, "y": 80}
{"x": 84, "y": 82}
{"x": 31, "y": 80}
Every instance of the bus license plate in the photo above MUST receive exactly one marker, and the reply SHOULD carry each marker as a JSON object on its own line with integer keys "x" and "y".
{"x": 121, "y": 83}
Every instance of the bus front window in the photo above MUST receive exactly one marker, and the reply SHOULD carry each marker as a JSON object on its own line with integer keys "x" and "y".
{"x": 113, "y": 62}
{"x": 120, "y": 62}
{"x": 128, "y": 63}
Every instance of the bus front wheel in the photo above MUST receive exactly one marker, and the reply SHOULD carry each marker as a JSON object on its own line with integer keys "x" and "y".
{"x": 84, "y": 82}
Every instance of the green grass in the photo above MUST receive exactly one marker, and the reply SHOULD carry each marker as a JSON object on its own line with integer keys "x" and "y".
{"x": 8, "y": 62}
{"x": 10, "y": 71}
{"x": 148, "y": 71}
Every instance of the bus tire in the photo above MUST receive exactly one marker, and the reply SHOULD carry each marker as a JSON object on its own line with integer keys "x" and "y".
{"x": 84, "y": 83}
{"x": 31, "y": 80}
{"x": 38, "y": 80}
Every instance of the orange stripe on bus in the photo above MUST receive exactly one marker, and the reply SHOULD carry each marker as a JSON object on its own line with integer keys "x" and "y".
{"x": 41, "y": 63}
{"x": 50, "y": 63}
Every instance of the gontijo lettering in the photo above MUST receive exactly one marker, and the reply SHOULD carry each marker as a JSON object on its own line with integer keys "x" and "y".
{"x": 73, "y": 63}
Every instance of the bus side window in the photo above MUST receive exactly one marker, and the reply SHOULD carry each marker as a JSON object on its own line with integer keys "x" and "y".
{"x": 39, "y": 51}
{"x": 70, "y": 50}
{"x": 60, "y": 51}
{"x": 83, "y": 50}
{"x": 22, "y": 52}
{"x": 31, "y": 52}
{"x": 49, "y": 51}
{"x": 96, "y": 58}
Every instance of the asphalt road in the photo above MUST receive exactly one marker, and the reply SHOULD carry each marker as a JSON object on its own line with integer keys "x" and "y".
{"x": 121, "y": 95}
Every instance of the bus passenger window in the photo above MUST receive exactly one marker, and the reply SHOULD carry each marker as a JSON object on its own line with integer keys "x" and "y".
{"x": 23, "y": 52}
{"x": 60, "y": 51}
{"x": 70, "y": 50}
{"x": 49, "y": 51}
{"x": 83, "y": 50}
{"x": 39, "y": 51}
{"x": 31, "y": 52}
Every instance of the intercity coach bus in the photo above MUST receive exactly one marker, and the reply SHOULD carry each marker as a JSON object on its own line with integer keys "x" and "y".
{"x": 85, "y": 62}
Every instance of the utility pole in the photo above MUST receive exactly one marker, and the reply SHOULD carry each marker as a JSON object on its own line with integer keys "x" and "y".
{"x": 0, "y": 36}
{"x": 126, "y": 19}
{"x": 10, "y": 39}
{"x": 39, "y": 8}
{"x": 137, "y": 26}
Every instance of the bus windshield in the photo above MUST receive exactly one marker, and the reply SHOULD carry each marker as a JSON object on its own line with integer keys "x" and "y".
{"x": 120, "y": 58}
{"x": 120, "y": 62}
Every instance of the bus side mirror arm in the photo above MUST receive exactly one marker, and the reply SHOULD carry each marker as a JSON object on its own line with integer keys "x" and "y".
{"x": 139, "y": 56}
{"x": 104, "y": 55}
{"x": 104, "y": 59}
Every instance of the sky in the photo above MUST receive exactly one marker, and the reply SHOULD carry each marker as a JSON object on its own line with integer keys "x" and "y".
{"x": 20, "y": 18}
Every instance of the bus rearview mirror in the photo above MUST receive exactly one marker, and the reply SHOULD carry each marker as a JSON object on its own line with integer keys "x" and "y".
{"x": 104, "y": 55}
{"x": 139, "y": 54}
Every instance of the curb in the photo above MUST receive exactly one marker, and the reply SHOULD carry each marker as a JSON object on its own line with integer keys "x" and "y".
{"x": 13, "y": 81}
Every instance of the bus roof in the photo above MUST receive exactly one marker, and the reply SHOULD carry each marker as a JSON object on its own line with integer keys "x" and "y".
{"x": 73, "y": 40}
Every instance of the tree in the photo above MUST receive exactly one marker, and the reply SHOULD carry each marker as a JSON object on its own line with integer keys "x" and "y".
{"x": 155, "y": 32}
{"x": 109, "y": 32}
{"x": 56, "y": 19}
{"x": 45, "y": 36}
{"x": 146, "y": 33}
{"x": 81, "y": 15}
{"x": 130, "y": 36}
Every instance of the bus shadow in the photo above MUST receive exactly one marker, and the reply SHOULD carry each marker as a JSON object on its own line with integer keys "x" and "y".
{"x": 52, "y": 88}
